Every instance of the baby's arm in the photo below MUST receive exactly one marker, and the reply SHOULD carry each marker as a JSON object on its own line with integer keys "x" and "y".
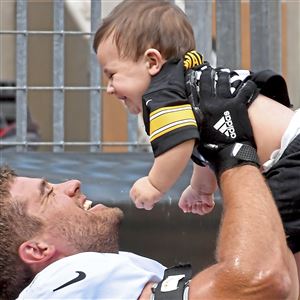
{"x": 198, "y": 197}
{"x": 165, "y": 171}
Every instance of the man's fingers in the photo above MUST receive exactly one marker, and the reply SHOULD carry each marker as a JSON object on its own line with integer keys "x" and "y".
{"x": 247, "y": 93}
{"x": 207, "y": 83}
{"x": 223, "y": 85}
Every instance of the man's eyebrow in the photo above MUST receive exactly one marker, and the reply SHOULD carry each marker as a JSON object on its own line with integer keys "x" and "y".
{"x": 42, "y": 187}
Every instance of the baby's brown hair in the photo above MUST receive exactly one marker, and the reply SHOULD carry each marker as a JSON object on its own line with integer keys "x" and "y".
{"x": 137, "y": 25}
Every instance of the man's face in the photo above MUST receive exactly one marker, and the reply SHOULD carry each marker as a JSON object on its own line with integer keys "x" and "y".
{"x": 127, "y": 79}
{"x": 70, "y": 224}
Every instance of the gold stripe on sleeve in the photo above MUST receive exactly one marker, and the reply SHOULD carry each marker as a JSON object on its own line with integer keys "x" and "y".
{"x": 167, "y": 119}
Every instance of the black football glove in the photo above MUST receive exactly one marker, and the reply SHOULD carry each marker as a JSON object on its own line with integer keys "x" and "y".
{"x": 226, "y": 137}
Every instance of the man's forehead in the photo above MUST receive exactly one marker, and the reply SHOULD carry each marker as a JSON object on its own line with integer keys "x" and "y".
{"x": 25, "y": 184}
{"x": 24, "y": 180}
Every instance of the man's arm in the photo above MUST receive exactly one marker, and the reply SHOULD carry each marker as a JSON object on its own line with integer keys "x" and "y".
{"x": 253, "y": 260}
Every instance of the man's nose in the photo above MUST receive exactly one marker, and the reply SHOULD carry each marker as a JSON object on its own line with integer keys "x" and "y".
{"x": 71, "y": 187}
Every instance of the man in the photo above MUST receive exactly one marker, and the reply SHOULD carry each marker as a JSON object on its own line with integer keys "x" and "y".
{"x": 48, "y": 231}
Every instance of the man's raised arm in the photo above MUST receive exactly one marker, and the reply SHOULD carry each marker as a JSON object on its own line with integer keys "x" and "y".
{"x": 253, "y": 259}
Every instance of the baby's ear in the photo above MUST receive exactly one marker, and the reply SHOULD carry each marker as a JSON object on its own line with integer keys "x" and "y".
{"x": 35, "y": 253}
{"x": 154, "y": 60}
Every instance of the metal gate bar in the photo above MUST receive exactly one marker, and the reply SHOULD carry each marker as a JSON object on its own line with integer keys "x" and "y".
{"x": 228, "y": 39}
{"x": 95, "y": 79}
{"x": 21, "y": 76}
{"x": 58, "y": 76}
{"x": 200, "y": 15}
{"x": 266, "y": 34}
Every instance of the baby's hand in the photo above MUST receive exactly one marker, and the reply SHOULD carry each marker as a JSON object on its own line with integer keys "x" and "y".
{"x": 144, "y": 194}
{"x": 194, "y": 202}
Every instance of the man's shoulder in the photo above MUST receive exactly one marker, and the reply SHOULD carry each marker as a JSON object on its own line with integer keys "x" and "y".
{"x": 92, "y": 275}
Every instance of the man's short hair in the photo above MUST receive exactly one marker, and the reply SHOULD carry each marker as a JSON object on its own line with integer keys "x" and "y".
{"x": 16, "y": 226}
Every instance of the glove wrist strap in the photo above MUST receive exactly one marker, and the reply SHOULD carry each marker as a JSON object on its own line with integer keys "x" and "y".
{"x": 235, "y": 155}
{"x": 175, "y": 284}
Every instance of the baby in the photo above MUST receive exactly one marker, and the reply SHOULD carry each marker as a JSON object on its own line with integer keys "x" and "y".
{"x": 146, "y": 51}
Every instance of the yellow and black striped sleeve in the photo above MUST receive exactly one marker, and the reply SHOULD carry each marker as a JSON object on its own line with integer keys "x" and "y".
{"x": 168, "y": 116}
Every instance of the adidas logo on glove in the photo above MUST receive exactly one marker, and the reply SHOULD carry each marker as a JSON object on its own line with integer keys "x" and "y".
{"x": 225, "y": 125}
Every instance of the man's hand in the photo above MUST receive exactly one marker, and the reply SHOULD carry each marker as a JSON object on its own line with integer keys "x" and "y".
{"x": 226, "y": 137}
{"x": 144, "y": 194}
{"x": 194, "y": 202}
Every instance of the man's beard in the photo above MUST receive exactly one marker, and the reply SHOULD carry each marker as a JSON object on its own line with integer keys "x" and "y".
{"x": 91, "y": 232}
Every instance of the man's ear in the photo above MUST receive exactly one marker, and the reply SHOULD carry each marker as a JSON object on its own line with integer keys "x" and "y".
{"x": 34, "y": 253}
{"x": 154, "y": 61}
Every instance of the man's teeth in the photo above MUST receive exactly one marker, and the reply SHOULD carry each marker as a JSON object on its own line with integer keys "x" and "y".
{"x": 87, "y": 204}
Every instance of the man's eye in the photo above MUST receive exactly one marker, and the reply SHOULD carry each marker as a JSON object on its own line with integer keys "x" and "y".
{"x": 50, "y": 191}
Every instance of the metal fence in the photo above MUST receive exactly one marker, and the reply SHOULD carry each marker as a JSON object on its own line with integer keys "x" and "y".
{"x": 265, "y": 17}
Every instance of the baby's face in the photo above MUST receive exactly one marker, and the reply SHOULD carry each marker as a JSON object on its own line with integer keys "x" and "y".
{"x": 127, "y": 79}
